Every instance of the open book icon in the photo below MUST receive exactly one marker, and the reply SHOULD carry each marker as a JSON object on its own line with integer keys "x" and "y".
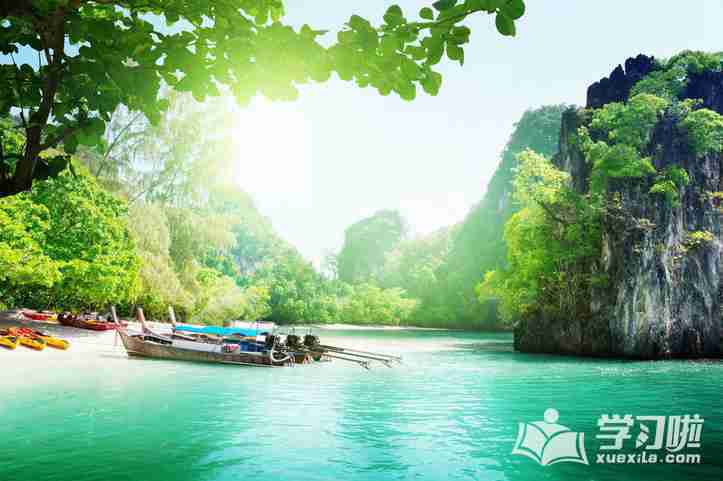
{"x": 548, "y": 443}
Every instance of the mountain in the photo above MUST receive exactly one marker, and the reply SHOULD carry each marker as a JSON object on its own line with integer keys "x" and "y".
{"x": 477, "y": 245}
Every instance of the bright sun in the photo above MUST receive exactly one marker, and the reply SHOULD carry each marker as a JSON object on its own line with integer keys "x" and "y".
{"x": 271, "y": 148}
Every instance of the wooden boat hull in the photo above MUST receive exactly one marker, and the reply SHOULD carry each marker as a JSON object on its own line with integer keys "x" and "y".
{"x": 136, "y": 345}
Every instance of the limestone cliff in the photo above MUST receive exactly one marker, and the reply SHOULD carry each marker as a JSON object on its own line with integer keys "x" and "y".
{"x": 663, "y": 267}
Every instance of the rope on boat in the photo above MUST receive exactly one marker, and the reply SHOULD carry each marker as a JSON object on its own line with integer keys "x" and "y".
{"x": 271, "y": 356}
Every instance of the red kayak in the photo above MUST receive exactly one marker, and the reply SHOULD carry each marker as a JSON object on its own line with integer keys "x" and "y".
{"x": 40, "y": 316}
{"x": 68, "y": 319}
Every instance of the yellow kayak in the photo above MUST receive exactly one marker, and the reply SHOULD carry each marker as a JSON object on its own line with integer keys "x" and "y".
{"x": 37, "y": 344}
{"x": 56, "y": 342}
{"x": 10, "y": 342}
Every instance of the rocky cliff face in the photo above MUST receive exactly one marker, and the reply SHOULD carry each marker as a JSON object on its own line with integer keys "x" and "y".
{"x": 616, "y": 87}
{"x": 663, "y": 296}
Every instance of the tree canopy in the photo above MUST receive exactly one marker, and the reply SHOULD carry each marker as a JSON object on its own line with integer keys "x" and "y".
{"x": 366, "y": 244}
{"x": 66, "y": 243}
{"x": 94, "y": 55}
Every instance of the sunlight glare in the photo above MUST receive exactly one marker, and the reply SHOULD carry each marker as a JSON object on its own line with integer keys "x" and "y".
{"x": 271, "y": 149}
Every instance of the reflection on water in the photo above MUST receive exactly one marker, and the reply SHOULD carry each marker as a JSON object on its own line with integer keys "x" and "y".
{"x": 449, "y": 412}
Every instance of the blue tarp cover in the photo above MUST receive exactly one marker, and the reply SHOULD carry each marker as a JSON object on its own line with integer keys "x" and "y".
{"x": 219, "y": 331}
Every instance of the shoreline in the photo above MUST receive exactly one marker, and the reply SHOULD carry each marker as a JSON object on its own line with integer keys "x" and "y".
{"x": 13, "y": 315}
{"x": 361, "y": 327}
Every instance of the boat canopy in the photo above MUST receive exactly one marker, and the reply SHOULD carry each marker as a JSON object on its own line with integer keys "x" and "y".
{"x": 219, "y": 331}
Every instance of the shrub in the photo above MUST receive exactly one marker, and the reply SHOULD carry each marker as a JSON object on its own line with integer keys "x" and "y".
{"x": 669, "y": 81}
{"x": 669, "y": 183}
{"x": 705, "y": 130}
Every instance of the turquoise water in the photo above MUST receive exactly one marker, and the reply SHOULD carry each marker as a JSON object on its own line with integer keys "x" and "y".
{"x": 451, "y": 412}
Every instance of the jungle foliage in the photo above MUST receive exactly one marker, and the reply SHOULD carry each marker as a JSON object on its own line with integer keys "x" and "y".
{"x": 148, "y": 218}
{"x": 66, "y": 244}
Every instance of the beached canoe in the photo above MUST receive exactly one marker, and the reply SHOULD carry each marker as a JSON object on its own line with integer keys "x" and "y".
{"x": 40, "y": 316}
{"x": 68, "y": 319}
{"x": 9, "y": 342}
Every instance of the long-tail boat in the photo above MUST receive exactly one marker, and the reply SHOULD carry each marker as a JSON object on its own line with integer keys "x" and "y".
{"x": 214, "y": 348}
{"x": 145, "y": 345}
{"x": 235, "y": 345}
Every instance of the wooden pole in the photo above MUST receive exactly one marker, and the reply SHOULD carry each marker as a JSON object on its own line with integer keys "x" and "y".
{"x": 142, "y": 320}
{"x": 172, "y": 316}
{"x": 114, "y": 315}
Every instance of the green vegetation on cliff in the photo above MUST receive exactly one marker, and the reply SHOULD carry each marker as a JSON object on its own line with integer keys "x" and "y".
{"x": 551, "y": 242}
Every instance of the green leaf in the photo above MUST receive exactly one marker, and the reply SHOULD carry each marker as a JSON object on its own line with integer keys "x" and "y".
{"x": 417, "y": 53}
{"x": 442, "y": 5}
{"x": 514, "y": 9}
{"x": 461, "y": 34}
{"x": 410, "y": 69}
{"x": 358, "y": 23}
{"x": 406, "y": 90}
{"x": 432, "y": 82}
{"x": 435, "y": 54}
{"x": 455, "y": 52}
{"x": 427, "y": 13}
{"x": 435, "y": 49}
{"x": 505, "y": 25}
{"x": 390, "y": 44}
{"x": 394, "y": 16}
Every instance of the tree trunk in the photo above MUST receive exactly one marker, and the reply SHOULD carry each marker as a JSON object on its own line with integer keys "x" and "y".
{"x": 52, "y": 35}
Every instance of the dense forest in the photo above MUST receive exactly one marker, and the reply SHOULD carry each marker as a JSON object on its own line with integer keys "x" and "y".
{"x": 142, "y": 219}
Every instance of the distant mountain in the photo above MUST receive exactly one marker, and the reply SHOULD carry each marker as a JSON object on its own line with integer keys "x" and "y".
{"x": 478, "y": 245}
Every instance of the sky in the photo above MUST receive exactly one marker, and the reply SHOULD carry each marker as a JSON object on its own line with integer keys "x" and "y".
{"x": 341, "y": 153}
